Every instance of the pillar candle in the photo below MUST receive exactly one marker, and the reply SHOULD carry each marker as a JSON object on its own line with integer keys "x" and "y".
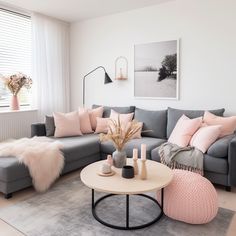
{"x": 135, "y": 153}
{"x": 143, "y": 151}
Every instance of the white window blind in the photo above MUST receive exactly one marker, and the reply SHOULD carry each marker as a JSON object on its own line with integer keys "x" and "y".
{"x": 15, "y": 52}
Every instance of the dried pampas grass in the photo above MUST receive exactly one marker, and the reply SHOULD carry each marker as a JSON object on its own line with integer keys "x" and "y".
{"x": 119, "y": 134}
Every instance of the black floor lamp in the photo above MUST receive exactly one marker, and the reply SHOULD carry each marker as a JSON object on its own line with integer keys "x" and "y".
{"x": 107, "y": 80}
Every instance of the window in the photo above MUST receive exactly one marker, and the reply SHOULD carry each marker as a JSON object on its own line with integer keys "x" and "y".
{"x": 15, "y": 52}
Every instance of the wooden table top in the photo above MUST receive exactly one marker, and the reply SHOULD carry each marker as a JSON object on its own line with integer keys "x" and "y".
{"x": 158, "y": 176}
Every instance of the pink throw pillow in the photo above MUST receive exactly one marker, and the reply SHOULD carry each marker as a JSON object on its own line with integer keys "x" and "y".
{"x": 124, "y": 118}
{"x": 205, "y": 137}
{"x": 84, "y": 119}
{"x": 184, "y": 130}
{"x": 228, "y": 123}
{"x": 93, "y": 114}
{"x": 67, "y": 124}
{"x": 102, "y": 125}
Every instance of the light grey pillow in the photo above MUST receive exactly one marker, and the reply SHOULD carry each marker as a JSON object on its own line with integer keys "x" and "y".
{"x": 50, "y": 126}
{"x": 173, "y": 116}
{"x": 121, "y": 110}
{"x": 152, "y": 120}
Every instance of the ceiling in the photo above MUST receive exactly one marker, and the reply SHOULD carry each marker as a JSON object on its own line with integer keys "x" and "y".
{"x": 77, "y": 10}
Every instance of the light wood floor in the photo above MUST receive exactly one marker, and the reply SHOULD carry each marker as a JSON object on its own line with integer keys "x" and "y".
{"x": 226, "y": 200}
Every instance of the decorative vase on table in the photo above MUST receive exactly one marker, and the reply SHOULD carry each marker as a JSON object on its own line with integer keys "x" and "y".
{"x": 119, "y": 158}
{"x": 14, "y": 103}
{"x": 119, "y": 134}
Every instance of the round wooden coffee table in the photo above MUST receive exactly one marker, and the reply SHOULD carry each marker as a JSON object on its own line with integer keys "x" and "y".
{"x": 158, "y": 177}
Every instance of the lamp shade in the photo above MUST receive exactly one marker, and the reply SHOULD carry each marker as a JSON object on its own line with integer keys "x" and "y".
{"x": 107, "y": 79}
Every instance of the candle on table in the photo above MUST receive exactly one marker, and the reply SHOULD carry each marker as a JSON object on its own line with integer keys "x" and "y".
{"x": 143, "y": 151}
{"x": 135, "y": 153}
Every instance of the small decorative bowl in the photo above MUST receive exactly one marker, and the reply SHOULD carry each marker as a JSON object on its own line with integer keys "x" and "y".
{"x": 128, "y": 172}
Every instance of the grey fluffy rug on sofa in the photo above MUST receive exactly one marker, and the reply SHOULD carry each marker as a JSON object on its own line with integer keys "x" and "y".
{"x": 66, "y": 210}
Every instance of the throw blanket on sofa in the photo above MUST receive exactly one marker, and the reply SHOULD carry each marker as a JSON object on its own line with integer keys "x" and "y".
{"x": 187, "y": 158}
{"x": 41, "y": 155}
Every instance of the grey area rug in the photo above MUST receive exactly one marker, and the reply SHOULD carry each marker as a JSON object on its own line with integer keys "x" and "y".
{"x": 65, "y": 210}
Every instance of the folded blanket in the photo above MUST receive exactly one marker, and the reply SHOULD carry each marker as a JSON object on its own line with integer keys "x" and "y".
{"x": 187, "y": 158}
{"x": 41, "y": 155}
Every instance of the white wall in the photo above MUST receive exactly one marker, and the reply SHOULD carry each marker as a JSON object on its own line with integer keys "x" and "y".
{"x": 207, "y": 53}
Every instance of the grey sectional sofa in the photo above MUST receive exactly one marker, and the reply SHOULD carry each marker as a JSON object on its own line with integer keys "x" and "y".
{"x": 219, "y": 161}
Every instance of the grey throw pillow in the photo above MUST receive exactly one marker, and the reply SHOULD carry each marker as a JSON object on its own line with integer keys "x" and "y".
{"x": 220, "y": 147}
{"x": 152, "y": 120}
{"x": 50, "y": 126}
{"x": 173, "y": 116}
{"x": 122, "y": 110}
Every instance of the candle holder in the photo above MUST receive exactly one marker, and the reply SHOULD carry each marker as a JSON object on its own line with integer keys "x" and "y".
{"x": 135, "y": 161}
{"x": 128, "y": 172}
{"x": 143, "y": 174}
{"x": 135, "y": 164}
{"x": 121, "y": 68}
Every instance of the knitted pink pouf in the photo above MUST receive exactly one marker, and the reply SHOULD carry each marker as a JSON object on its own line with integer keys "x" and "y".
{"x": 190, "y": 198}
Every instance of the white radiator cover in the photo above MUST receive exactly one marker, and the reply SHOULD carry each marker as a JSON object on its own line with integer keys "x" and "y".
{"x": 16, "y": 124}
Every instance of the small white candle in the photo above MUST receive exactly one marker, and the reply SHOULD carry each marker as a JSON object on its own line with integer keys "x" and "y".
{"x": 135, "y": 153}
{"x": 143, "y": 151}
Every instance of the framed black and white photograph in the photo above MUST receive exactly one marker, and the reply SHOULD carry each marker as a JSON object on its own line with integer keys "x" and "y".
{"x": 156, "y": 70}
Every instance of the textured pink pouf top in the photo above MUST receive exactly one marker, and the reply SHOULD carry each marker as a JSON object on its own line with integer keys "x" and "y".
{"x": 190, "y": 198}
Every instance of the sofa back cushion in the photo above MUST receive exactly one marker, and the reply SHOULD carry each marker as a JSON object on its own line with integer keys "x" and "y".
{"x": 122, "y": 110}
{"x": 173, "y": 116}
{"x": 220, "y": 147}
{"x": 49, "y": 126}
{"x": 155, "y": 121}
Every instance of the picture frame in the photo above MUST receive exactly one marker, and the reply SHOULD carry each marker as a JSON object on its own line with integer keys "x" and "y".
{"x": 156, "y": 70}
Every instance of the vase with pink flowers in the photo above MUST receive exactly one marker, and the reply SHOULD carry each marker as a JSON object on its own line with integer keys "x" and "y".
{"x": 15, "y": 83}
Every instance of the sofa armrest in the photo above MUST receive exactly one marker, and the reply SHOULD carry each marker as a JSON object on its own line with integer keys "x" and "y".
{"x": 38, "y": 129}
{"x": 232, "y": 162}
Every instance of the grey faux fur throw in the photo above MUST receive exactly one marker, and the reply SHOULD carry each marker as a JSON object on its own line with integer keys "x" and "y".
{"x": 187, "y": 158}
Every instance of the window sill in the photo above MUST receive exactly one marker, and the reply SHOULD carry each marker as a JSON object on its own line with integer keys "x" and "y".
{"x": 18, "y": 111}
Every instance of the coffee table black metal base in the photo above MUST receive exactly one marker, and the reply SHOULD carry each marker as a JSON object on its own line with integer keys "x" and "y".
{"x": 127, "y": 226}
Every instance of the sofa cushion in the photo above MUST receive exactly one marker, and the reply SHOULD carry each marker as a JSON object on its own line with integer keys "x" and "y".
{"x": 214, "y": 164}
{"x": 50, "y": 126}
{"x": 108, "y": 148}
{"x": 11, "y": 169}
{"x": 155, "y": 121}
{"x": 211, "y": 164}
{"x": 220, "y": 147}
{"x": 75, "y": 148}
{"x": 173, "y": 116}
{"x": 122, "y": 110}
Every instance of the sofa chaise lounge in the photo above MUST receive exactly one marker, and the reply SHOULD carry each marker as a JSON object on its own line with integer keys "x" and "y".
{"x": 219, "y": 161}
